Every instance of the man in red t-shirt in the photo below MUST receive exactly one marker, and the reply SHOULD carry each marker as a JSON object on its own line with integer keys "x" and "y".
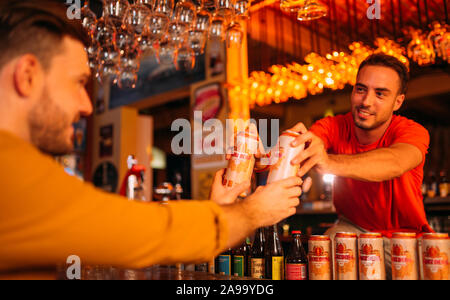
{"x": 377, "y": 156}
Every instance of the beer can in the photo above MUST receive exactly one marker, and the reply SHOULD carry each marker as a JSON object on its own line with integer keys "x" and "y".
{"x": 371, "y": 256}
{"x": 404, "y": 256}
{"x": 282, "y": 167}
{"x": 345, "y": 257}
{"x": 435, "y": 254}
{"x": 242, "y": 161}
{"x": 319, "y": 257}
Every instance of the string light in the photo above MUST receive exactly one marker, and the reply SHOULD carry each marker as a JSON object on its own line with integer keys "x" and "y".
{"x": 337, "y": 69}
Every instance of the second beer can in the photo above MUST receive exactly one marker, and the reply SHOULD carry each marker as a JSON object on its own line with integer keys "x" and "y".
{"x": 345, "y": 257}
{"x": 435, "y": 255}
{"x": 283, "y": 168}
{"x": 319, "y": 257}
{"x": 404, "y": 256}
{"x": 371, "y": 256}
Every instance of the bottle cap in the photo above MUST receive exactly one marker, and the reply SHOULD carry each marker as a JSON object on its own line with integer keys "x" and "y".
{"x": 296, "y": 232}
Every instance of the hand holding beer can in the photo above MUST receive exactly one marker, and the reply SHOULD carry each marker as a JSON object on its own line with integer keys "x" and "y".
{"x": 282, "y": 167}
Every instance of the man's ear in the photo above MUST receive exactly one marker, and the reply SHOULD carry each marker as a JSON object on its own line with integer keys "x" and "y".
{"x": 28, "y": 75}
{"x": 399, "y": 101}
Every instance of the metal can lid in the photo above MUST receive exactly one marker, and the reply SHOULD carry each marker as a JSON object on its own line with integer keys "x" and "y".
{"x": 248, "y": 134}
{"x": 435, "y": 236}
{"x": 370, "y": 235}
{"x": 319, "y": 238}
{"x": 346, "y": 234}
{"x": 404, "y": 235}
{"x": 291, "y": 133}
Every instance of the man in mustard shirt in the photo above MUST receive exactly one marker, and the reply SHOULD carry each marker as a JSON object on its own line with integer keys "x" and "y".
{"x": 46, "y": 215}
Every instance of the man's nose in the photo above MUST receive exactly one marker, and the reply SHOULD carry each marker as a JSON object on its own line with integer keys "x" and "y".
{"x": 368, "y": 99}
{"x": 85, "y": 104}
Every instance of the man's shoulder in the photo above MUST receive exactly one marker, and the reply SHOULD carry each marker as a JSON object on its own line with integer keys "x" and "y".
{"x": 401, "y": 122}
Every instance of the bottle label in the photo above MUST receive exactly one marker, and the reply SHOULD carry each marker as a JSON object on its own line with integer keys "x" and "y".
{"x": 277, "y": 267}
{"x": 238, "y": 265}
{"x": 296, "y": 272}
{"x": 257, "y": 268}
{"x": 224, "y": 264}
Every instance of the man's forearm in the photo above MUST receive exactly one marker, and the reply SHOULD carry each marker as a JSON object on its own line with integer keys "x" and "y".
{"x": 240, "y": 223}
{"x": 376, "y": 166}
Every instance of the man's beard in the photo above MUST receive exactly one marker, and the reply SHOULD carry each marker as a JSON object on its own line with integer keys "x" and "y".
{"x": 48, "y": 125}
{"x": 363, "y": 126}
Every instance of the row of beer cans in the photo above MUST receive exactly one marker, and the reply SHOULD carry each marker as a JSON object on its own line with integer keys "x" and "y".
{"x": 366, "y": 257}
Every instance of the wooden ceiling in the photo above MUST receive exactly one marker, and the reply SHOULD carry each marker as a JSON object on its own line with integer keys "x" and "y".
{"x": 346, "y": 22}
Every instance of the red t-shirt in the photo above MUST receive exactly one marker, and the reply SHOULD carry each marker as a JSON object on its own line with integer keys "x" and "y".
{"x": 389, "y": 206}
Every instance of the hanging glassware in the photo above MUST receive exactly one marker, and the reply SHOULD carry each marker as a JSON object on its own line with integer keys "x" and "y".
{"x": 138, "y": 17}
{"x": 185, "y": 13}
{"x": 164, "y": 7}
{"x": 234, "y": 34}
{"x": 184, "y": 59}
{"x": 217, "y": 28}
{"x": 241, "y": 9}
{"x": 88, "y": 18}
{"x": 150, "y": 4}
{"x": 116, "y": 10}
{"x": 312, "y": 10}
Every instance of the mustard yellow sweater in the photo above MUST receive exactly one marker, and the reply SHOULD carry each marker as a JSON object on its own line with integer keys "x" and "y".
{"x": 47, "y": 215}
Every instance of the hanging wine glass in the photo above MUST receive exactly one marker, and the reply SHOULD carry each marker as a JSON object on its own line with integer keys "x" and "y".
{"x": 105, "y": 32}
{"x": 241, "y": 9}
{"x": 125, "y": 40}
{"x": 312, "y": 10}
{"x": 88, "y": 18}
{"x": 209, "y": 5}
{"x": 110, "y": 61}
{"x": 137, "y": 18}
{"x": 234, "y": 34}
{"x": 164, "y": 7}
{"x": 292, "y": 6}
{"x": 176, "y": 34}
{"x": 127, "y": 80}
{"x": 158, "y": 26}
{"x": 203, "y": 20}
{"x": 225, "y": 8}
{"x": 184, "y": 59}
{"x": 166, "y": 54}
{"x": 150, "y": 4}
{"x": 129, "y": 67}
{"x": 185, "y": 13}
{"x": 115, "y": 10}
{"x": 196, "y": 40}
{"x": 217, "y": 28}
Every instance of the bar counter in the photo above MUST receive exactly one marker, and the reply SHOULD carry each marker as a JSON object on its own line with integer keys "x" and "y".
{"x": 109, "y": 273}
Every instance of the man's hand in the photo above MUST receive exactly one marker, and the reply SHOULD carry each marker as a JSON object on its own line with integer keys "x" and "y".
{"x": 223, "y": 195}
{"x": 314, "y": 155}
{"x": 274, "y": 202}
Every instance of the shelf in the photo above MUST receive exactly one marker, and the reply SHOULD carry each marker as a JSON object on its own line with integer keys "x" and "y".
{"x": 437, "y": 200}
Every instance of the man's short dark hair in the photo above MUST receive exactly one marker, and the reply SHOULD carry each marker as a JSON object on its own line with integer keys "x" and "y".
{"x": 36, "y": 27}
{"x": 381, "y": 59}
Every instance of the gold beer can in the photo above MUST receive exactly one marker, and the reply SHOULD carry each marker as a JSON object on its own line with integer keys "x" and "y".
{"x": 371, "y": 256}
{"x": 319, "y": 257}
{"x": 345, "y": 257}
{"x": 242, "y": 161}
{"x": 435, "y": 254}
{"x": 404, "y": 256}
{"x": 282, "y": 168}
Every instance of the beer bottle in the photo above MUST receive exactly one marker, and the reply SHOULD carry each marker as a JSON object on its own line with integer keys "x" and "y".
{"x": 274, "y": 255}
{"x": 240, "y": 260}
{"x": 257, "y": 264}
{"x": 223, "y": 263}
{"x": 296, "y": 260}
